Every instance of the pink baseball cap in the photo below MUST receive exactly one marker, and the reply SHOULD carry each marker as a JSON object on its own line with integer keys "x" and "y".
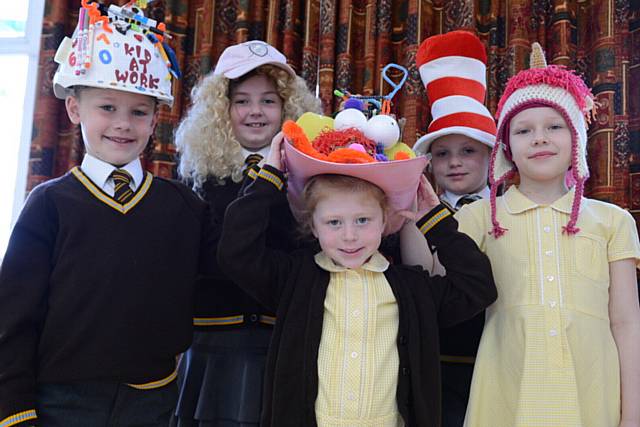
{"x": 239, "y": 59}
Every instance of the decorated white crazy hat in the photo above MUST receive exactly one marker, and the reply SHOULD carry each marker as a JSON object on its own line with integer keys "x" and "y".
{"x": 453, "y": 69}
{"x": 116, "y": 48}
{"x": 543, "y": 86}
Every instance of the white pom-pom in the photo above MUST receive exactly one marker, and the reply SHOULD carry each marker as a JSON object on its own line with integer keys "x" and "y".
{"x": 383, "y": 129}
{"x": 350, "y": 118}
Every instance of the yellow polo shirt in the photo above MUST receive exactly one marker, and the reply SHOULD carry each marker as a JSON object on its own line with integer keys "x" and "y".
{"x": 358, "y": 356}
{"x": 547, "y": 355}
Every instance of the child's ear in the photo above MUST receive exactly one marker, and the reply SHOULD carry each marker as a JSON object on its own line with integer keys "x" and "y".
{"x": 154, "y": 122}
{"x": 73, "y": 109}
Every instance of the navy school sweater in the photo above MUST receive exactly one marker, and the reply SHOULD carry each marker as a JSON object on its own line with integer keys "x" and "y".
{"x": 92, "y": 293}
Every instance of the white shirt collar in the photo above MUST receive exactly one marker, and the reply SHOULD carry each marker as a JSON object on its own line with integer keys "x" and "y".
{"x": 264, "y": 152}
{"x": 452, "y": 199}
{"x": 377, "y": 263}
{"x": 99, "y": 171}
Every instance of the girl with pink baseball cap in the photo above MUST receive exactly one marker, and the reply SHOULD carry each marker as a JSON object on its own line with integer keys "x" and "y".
{"x": 561, "y": 345}
{"x": 236, "y": 110}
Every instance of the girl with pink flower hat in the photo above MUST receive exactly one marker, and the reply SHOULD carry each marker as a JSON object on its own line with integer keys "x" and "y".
{"x": 561, "y": 345}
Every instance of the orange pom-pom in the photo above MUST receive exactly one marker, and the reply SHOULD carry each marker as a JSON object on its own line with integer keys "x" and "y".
{"x": 401, "y": 155}
{"x": 296, "y": 135}
{"x": 349, "y": 155}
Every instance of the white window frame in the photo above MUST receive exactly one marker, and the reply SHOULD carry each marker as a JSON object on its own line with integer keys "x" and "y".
{"x": 29, "y": 45}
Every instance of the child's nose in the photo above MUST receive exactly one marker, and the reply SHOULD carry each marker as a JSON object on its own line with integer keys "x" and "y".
{"x": 349, "y": 233}
{"x": 255, "y": 109}
{"x": 539, "y": 137}
{"x": 122, "y": 122}
{"x": 455, "y": 160}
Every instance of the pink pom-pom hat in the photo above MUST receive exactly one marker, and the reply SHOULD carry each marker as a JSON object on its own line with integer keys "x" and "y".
{"x": 551, "y": 86}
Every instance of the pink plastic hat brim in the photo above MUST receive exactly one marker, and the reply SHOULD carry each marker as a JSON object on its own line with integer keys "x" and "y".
{"x": 398, "y": 179}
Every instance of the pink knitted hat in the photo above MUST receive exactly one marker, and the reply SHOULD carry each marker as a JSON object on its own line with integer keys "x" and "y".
{"x": 541, "y": 85}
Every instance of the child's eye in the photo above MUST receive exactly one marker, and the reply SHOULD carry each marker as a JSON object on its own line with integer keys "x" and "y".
{"x": 521, "y": 131}
{"x": 333, "y": 222}
{"x": 269, "y": 101}
{"x": 240, "y": 101}
{"x": 362, "y": 221}
{"x": 440, "y": 154}
{"x": 468, "y": 150}
{"x": 556, "y": 127}
{"x": 140, "y": 113}
{"x": 109, "y": 108}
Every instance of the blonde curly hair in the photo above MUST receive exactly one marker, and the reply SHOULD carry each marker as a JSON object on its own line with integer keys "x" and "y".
{"x": 205, "y": 139}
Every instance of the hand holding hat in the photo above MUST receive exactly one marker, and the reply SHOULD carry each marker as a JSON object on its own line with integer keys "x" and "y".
{"x": 276, "y": 153}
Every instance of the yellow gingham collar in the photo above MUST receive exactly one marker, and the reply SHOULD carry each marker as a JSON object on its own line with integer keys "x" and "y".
{"x": 515, "y": 202}
{"x": 377, "y": 263}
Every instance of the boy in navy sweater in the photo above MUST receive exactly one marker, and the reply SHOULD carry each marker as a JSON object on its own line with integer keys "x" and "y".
{"x": 96, "y": 285}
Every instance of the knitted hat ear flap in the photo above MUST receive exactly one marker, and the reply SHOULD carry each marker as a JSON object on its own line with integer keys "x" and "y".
{"x": 496, "y": 179}
{"x": 571, "y": 228}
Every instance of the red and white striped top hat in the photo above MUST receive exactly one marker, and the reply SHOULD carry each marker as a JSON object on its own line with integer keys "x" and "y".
{"x": 453, "y": 69}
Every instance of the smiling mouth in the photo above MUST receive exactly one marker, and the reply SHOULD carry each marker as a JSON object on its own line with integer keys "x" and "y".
{"x": 542, "y": 155}
{"x": 456, "y": 175}
{"x": 350, "y": 251}
{"x": 256, "y": 125}
{"x": 119, "y": 140}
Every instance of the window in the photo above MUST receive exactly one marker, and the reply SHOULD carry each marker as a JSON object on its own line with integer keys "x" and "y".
{"x": 20, "y": 30}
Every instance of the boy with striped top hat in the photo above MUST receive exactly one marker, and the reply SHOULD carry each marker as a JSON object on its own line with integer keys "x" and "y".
{"x": 459, "y": 138}
{"x": 96, "y": 285}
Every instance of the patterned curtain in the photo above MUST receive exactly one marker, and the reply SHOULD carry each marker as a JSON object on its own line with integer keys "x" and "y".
{"x": 345, "y": 43}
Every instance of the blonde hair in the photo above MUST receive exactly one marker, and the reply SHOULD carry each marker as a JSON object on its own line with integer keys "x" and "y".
{"x": 205, "y": 139}
{"x": 320, "y": 186}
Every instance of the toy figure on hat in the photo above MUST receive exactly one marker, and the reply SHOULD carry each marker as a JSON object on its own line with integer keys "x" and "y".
{"x": 103, "y": 304}
{"x": 381, "y": 358}
{"x": 565, "y": 268}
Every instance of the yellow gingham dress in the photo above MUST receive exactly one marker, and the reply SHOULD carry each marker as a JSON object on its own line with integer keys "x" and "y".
{"x": 547, "y": 355}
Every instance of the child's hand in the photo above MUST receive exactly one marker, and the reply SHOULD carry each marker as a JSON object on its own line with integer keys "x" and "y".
{"x": 427, "y": 197}
{"x": 276, "y": 154}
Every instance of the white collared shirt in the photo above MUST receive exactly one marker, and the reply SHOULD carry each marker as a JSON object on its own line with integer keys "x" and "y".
{"x": 264, "y": 152}
{"x": 99, "y": 172}
{"x": 452, "y": 199}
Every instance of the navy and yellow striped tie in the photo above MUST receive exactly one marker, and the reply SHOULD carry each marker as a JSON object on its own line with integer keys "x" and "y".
{"x": 466, "y": 199}
{"x": 122, "y": 190}
{"x": 251, "y": 162}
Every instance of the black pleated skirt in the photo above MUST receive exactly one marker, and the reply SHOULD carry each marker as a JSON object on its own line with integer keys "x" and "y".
{"x": 220, "y": 379}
